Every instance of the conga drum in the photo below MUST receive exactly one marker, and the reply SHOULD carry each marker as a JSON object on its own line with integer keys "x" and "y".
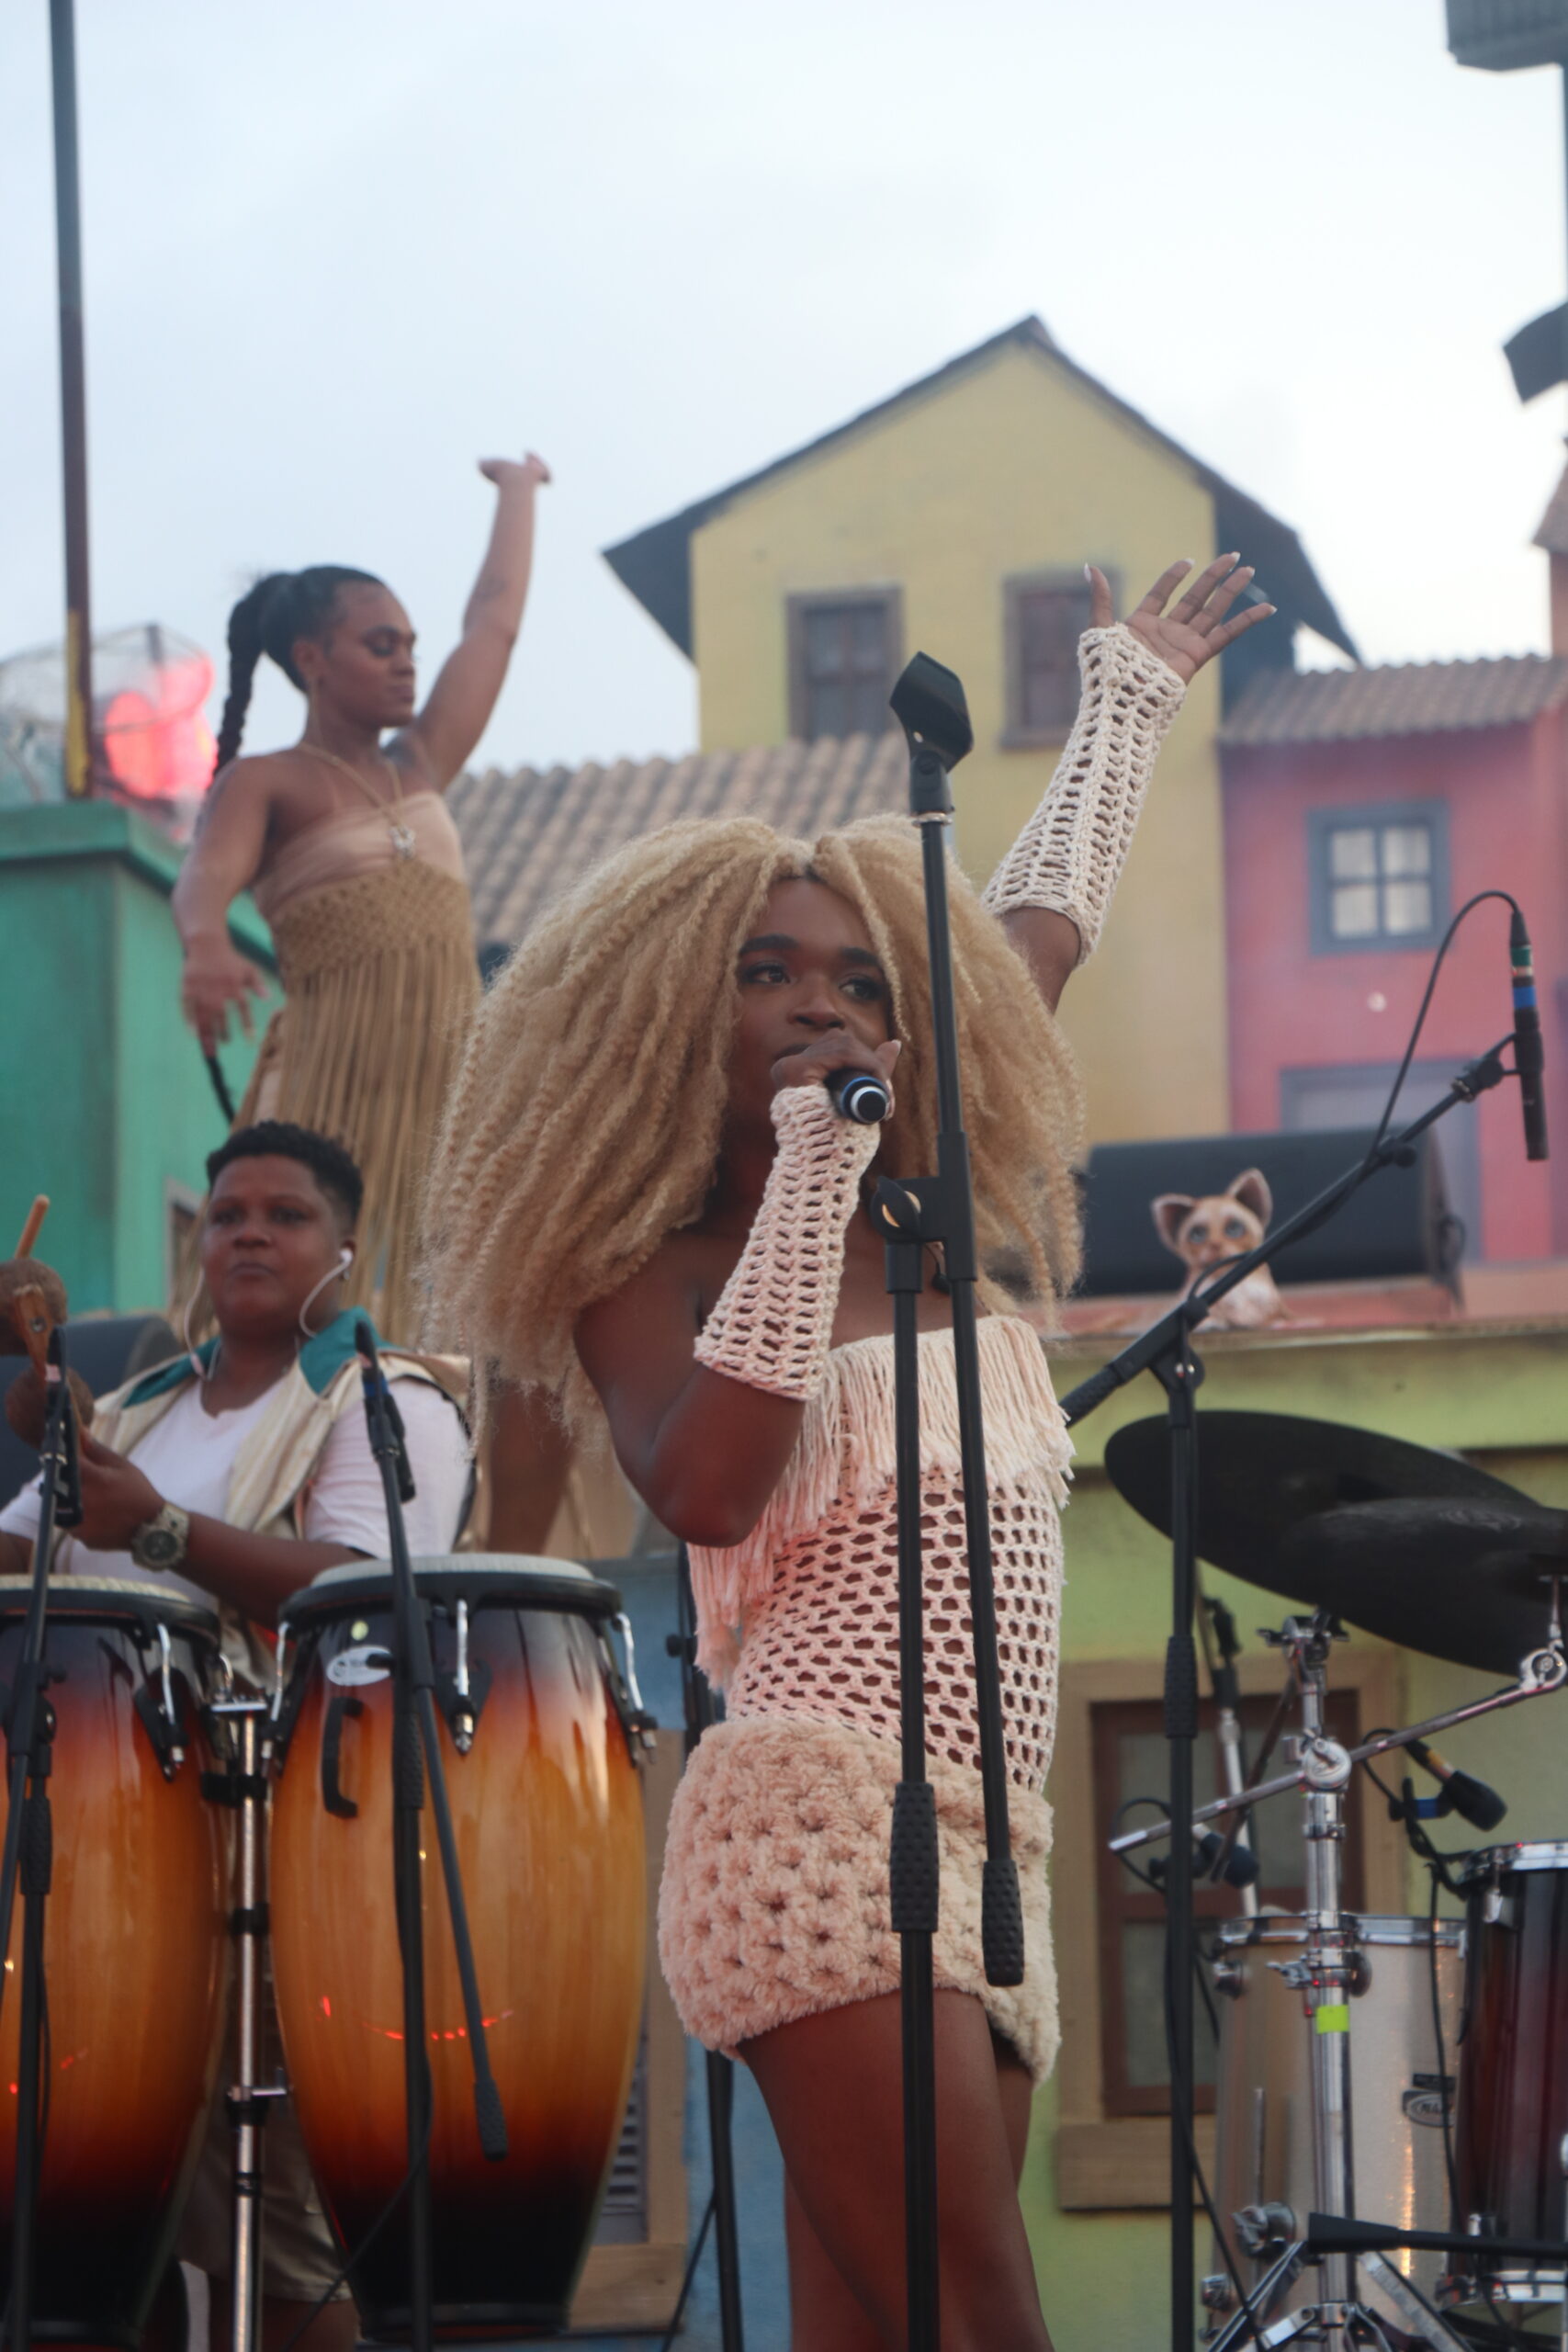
{"x": 135, "y": 1949}
{"x": 1513, "y": 2075}
{"x": 548, "y": 1812}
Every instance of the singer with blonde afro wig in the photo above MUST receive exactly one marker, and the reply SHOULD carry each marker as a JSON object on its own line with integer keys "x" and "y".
{"x": 587, "y": 1120}
{"x": 652, "y": 1201}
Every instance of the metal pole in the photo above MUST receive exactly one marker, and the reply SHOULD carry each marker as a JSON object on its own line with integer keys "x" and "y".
{"x": 246, "y": 2265}
{"x": 73, "y": 404}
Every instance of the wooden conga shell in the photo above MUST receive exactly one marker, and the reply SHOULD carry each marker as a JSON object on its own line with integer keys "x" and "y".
{"x": 548, "y": 1813}
{"x": 135, "y": 1956}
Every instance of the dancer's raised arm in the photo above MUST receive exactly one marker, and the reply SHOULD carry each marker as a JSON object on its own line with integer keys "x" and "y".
{"x": 1053, "y": 887}
{"x": 469, "y": 684}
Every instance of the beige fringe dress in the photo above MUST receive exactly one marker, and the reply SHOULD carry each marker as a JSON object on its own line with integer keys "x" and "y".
{"x": 775, "y": 1902}
{"x": 375, "y": 944}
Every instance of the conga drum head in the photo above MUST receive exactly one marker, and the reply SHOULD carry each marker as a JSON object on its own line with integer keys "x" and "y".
{"x": 1513, "y": 2077}
{"x": 121, "y": 1599}
{"x": 548, "y": 1813}
{"x": 475, "y": 1576}
{"x": 135, "y": 1949}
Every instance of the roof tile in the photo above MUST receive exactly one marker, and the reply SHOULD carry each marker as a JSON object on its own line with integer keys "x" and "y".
{"x": 528, "y": 836}
{"x": 1395, "y": 699}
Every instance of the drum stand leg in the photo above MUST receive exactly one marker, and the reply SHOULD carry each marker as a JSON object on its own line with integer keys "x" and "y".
{"x": 249, "y": 2098}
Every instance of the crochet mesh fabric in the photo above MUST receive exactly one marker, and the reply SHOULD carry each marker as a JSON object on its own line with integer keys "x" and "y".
{"x": 823, "y": 1645}
{"x": 773, "y": 1321}
{"x": 1069, "y": 856}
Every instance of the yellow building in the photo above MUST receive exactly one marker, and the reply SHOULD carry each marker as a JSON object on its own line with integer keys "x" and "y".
{"x": 956, "y": 518}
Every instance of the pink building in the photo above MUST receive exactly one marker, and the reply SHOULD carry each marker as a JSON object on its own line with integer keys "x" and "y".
{"x": 1361, "y": 808}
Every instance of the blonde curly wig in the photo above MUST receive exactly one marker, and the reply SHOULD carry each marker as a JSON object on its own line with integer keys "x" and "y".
{"x": 585, "y": 1123}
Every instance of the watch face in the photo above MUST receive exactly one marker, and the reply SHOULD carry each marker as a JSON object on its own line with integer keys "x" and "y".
{"x": 158, "y": 1548}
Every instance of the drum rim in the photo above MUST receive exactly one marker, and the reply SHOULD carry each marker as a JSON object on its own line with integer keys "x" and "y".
{"x": 1530, "y": 1854}
{"x": 558, "y": 1587}
{"x": 1368, "y": 1928}
{"x": 114, "y": 1596}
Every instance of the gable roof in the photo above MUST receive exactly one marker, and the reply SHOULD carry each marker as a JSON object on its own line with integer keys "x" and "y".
{"x": 1395, "y": 699}
{"x": 656, "y": 564}
{"x": 528, "y": 836}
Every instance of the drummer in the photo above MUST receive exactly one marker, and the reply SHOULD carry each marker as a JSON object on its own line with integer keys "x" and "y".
{"x": 234, "y": 1475}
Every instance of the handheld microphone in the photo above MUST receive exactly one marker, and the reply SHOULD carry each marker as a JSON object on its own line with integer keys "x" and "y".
{"x": 859, "y": 1095}
{"x": 1471, "y": 1800}
{"x": 1240, "y": 1870}
{"x": 1529, "y": 1053}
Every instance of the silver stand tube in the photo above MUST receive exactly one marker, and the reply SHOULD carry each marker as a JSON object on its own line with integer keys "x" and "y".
{"x": 1234, "y": 1776}
{"x": 1325, "y": 1970}
{"x": 248, "y": 2095}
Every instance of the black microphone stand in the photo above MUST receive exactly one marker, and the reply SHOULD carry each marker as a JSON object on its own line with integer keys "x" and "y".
{"x": 911, "y": 1214}
{"x": 413, "y": 1731}
{"x": 27, "y": 1853}
{"x": 1165, "y": 1349}
{"x": 700, "y": 1712}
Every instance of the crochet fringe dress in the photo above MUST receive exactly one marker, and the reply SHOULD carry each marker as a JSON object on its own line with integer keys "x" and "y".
{"x": 775, "y": 1902}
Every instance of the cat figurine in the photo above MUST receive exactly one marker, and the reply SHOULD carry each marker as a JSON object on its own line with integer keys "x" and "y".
{"x": 1205, "y": 1233}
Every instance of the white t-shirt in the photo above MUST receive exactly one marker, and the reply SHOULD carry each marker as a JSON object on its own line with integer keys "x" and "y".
{"x": 189, "y": 1456}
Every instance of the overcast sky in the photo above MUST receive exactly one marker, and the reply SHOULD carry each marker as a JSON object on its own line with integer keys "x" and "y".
{"x": 336, "y": 250}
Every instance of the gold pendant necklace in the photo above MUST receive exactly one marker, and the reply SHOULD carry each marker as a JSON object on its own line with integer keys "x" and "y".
{"x": 402, "y": 836}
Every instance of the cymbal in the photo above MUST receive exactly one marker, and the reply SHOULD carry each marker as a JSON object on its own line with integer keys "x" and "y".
{"x": 1411, "y": 1544}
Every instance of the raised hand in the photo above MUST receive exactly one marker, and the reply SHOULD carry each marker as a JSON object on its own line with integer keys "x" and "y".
{"x": 1195, "y": 629}
{"x": 509, "y": 473}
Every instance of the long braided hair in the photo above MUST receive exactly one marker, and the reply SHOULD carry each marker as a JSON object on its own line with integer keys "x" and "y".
{"x": 585, "y": 1124}
{"x": 271, "y": 619}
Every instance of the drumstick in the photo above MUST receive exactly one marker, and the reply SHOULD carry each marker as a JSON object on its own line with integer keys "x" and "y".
{"x": 33, "y": 1226}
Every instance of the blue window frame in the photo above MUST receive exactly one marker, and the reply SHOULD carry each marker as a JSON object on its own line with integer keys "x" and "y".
{"x": 1379, "y": 875}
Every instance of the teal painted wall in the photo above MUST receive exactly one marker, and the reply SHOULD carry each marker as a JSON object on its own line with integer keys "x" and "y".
{"x": 104, "y": 1096}
{"x": 1497, "y": 1394}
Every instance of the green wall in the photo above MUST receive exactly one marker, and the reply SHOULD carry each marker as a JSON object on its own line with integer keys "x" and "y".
{"x": 104, "y": 1095}
{"x": 1495, "y": 1393}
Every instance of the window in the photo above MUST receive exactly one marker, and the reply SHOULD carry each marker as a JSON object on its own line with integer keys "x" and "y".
{"x": 1130, "y": 1761}
{"x": 1379, "y": 875}
{"x": 1045, "y": 615}
{"x": 843, "y": 659}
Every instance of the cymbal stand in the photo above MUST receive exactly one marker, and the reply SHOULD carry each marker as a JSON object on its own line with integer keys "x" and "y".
{"x": 1326, "y": 1977}
{"x": 1165, "y": 1349}
{"x": 27, "y": 1855}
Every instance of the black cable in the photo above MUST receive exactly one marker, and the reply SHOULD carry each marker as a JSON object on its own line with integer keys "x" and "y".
{"x": 675, "y": 2327}
{"x": 219, "y": 1086}
{"x": 352, "y": 2261}
{"x": 1181, "y": 2109}
{"x": 1479, "y": 898}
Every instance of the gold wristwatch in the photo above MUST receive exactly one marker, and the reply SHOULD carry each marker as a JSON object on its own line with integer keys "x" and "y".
{"x": 160, "y": 1542}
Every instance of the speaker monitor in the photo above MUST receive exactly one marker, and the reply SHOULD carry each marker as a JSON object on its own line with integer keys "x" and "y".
{"x": 1397, "y": 1225}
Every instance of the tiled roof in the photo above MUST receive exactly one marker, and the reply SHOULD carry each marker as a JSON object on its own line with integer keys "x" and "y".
{"x": 526, "y": 837}
{"x": 1397, "y": 698}
{"x": 656, "y": 564}
{"x": 1554, "y": 533}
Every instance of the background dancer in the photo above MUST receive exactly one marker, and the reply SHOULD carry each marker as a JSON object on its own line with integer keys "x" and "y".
{"x": 354, "y": 861}
{"x": 694, "y": 1250}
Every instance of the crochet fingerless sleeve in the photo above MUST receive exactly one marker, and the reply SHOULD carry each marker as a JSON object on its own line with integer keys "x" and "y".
{"x": 1070, "y": 854}
{"x": 772, "y": 1324}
